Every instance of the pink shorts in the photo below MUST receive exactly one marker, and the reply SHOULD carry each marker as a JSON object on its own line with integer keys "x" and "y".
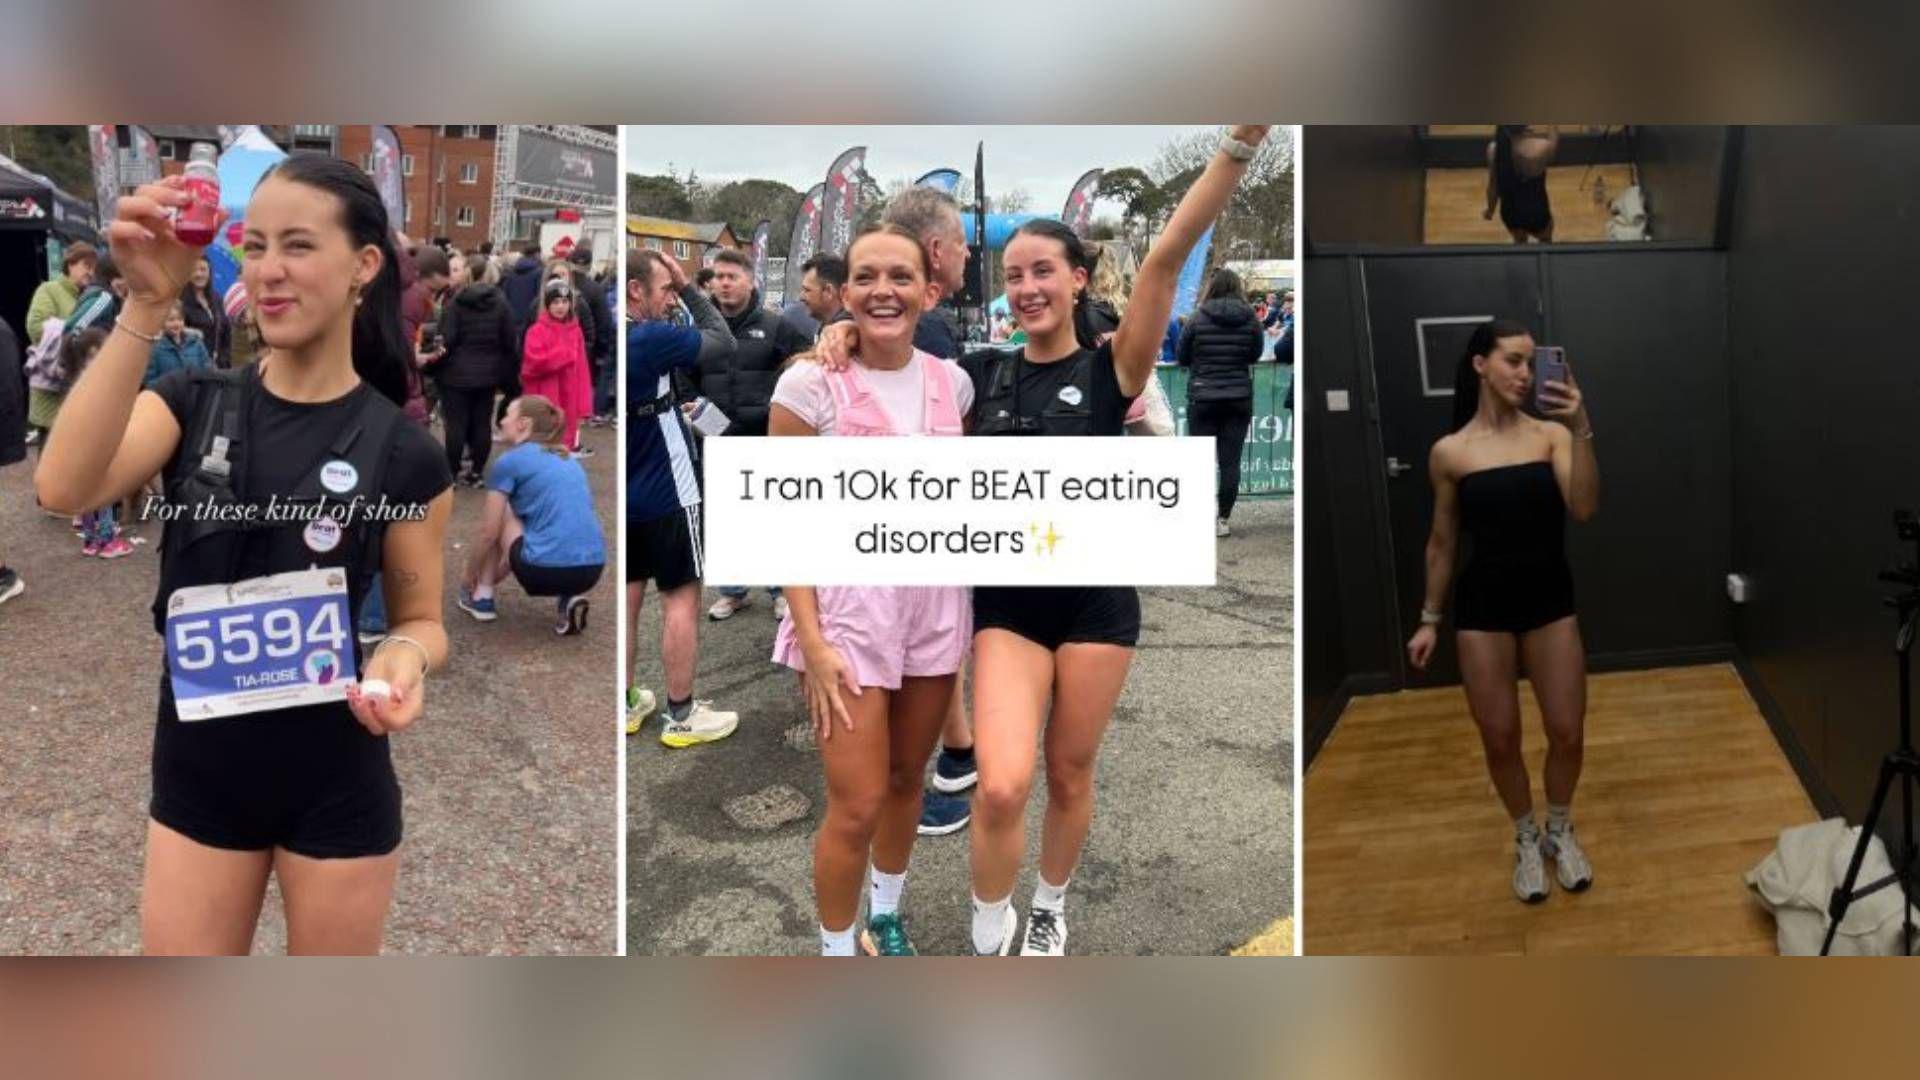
{"x": 886, "y": 632}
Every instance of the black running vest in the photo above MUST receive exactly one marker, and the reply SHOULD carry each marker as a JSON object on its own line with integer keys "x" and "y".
{"x": 210, "y": 472}
{"x": 999, "y": 411}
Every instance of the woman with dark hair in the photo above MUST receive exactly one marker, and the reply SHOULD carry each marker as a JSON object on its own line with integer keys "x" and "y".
{"x": 1510, "y": 481}
{"x": 1221, "y": 343}
{"x": 1050, "y": 662}
{"x": 205, "y": 313}
{"x": 481, "y": 339}
{"x": 1517, "y": 161}
{"x": 270, "y": 755}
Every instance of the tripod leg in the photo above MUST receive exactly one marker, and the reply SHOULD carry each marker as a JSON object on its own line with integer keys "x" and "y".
{"x": 1843, "y": 896}
{"x": 1906, "y": 861}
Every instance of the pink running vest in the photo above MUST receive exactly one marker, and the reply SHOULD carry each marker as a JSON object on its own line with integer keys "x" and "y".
{"x": 857, "y": 411}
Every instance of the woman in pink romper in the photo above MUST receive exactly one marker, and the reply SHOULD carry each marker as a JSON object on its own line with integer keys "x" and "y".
{"x": 878, "y": 662}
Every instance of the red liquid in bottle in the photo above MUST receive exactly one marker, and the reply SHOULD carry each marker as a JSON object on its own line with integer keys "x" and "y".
{"x": 195, "y": 223}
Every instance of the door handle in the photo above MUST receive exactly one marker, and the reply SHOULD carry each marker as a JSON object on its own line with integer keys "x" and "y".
{"x": 1395, "y": 467}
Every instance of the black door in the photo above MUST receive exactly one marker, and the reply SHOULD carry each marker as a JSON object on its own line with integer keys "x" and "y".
{"x": 1420, "y": 312}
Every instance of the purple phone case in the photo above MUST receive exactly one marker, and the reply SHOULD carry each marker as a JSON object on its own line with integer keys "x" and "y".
{"x": 1548, "y": 365}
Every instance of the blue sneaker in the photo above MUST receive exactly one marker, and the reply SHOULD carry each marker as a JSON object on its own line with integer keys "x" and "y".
{"x": 481, "y": 609}
{"x": 942, "y": 814}
{"x": 952, "y": 774}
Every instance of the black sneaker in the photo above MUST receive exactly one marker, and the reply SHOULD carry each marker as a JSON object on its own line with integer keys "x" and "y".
{"x": 11, "y": 584}
{"x": 953, "y": 774}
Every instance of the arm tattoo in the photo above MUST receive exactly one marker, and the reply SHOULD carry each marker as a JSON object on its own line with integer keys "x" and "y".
{"x": 406, "y": 579}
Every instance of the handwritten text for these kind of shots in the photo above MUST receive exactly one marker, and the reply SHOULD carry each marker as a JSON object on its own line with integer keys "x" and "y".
{"x": 919, "y": 511}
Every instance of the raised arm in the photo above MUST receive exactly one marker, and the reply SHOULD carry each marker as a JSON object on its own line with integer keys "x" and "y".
{"x": 1574, "y": 465}
{"x": 716, "y": 340}
{"x": 111, "y": 437}
{"x": 1137, "y": 343}
{"x": 1442, "y": 541}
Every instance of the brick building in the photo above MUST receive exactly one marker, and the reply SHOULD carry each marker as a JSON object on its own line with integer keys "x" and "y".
{"x": 447, "y": 169}
{"x": 685, "y": 241}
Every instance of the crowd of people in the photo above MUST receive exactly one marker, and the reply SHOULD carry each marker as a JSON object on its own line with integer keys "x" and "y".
{"x": 869, "y": 348}
{"x": 484, "y": 329}
{"x": 313, "y": 382}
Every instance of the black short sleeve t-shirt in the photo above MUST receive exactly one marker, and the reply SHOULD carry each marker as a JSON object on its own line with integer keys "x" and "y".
{"x": 1040, "y": 384}
{"x": 289, "y": 438}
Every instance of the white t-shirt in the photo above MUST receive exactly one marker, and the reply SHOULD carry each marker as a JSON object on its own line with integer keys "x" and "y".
{"x": 803, "y": 391}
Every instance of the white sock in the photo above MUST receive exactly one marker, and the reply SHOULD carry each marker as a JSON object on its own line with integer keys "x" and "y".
{"x": 884, "y": 899}
{"x": 989, "y": 923}
{"x": 482, "y": 591}
{"x": 836, "y": 942}
{"x": 1524, "y": 828}
{"x": 1051, "y": 897}
{"x": 1559, "y": 818}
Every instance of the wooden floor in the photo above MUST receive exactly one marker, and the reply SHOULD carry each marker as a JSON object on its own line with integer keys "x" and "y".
{"x": 1407, "y": 850}
{"x": 1457, "y": 197}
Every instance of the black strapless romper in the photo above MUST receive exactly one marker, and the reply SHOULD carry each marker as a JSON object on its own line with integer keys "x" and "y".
{"x": 1517, "y": 578}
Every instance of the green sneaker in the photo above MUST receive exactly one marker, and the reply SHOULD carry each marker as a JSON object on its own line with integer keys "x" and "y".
{"x": 886, "y": 936}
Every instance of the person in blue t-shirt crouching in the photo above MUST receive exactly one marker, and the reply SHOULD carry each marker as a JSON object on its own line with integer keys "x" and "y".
{"x": 539, "y": 524}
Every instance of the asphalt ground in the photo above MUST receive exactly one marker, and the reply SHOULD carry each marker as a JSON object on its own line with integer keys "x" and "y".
{"x": 509, "y": 779}
{"x": 1191, "y": 851}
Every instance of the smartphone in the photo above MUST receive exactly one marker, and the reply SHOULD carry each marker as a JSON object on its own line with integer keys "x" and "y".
{"x": 1549, "y": 365}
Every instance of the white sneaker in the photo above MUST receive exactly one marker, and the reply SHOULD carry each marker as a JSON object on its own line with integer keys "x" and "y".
{"x": 724, "y": 607}
{"x": 640, "y": 705}
{"x": 779, "y": 608}
{"x": 1569, "y": 862}
{"x": 1529, "y": 873}
{"x": 1046, "y": 933}
{"x": 702, "y": 725}
{"x": 1008, "y": 925}
{"x": 1221, "y": 528}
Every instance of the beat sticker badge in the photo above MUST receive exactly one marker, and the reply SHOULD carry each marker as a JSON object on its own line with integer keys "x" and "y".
{"x": 322, "y": 534}
{"x": 339, "y": 477}
{"x": 1070, "y": 394}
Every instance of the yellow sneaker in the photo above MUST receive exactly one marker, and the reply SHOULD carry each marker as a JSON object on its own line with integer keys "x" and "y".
{"x": 702, "y": 724}
{"x": 640, "y": 705}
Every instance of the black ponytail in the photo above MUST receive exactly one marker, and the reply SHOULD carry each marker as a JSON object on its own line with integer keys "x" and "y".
{"x": 380, "y": 353}
{"x": 1078, "y": 254}
{"x": 1466, "y": 381}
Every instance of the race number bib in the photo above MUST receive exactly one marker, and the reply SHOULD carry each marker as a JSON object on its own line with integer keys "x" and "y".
{"x": 266, "y": 643}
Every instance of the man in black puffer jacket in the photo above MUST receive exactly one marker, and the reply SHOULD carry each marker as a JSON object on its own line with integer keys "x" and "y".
{"x": 741, "y": 382}
{"x": 482, "y": 342}
{"x": 1221, "y": 343}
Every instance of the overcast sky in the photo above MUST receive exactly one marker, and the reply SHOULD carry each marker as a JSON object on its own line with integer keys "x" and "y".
{"x": 1045, "y": 161}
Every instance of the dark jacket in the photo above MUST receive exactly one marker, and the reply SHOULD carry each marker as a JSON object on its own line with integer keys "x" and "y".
{"x": 521, "y": 282}
{"x": 211, "y": 321}
{"x": 1221, "y": 342}
{"x": 482, "y": 339}
{"x": 13, "y": 399}
{"x": 741, "y": 382}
